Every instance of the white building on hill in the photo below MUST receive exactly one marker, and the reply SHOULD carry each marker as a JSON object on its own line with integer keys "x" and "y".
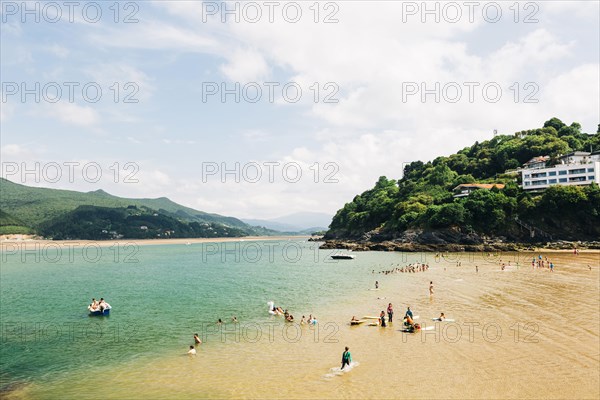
{"x": 577, "y": 168}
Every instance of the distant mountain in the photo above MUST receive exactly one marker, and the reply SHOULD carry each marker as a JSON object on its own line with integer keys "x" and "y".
{"x": 301, "y": 222}
{"x": 24, "y": 207}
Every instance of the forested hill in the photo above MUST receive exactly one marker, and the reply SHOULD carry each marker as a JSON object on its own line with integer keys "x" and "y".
{"x": 98, "y": 215}
{"x": 422, "y": 200}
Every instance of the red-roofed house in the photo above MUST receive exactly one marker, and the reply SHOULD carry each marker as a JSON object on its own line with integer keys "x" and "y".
{"x": 465, "y": 189}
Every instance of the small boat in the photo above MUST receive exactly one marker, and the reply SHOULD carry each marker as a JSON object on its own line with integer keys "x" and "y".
{"x": 341, "y": 256}
{"x": 98, "y": 313}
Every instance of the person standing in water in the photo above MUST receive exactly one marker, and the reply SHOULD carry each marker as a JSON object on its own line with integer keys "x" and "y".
{"x": 382, "y": 319}
{"x": 346, "y": 357}
{"x": 376, "y": 284}
{"x": 197, "y": 339}
{"x": 390, "y": 312}
{"x": 431, "y": 288}
{"x": 476, "y": 269}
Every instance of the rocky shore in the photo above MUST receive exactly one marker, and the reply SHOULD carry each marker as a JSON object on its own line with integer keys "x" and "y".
{"x": 445, "y": 240}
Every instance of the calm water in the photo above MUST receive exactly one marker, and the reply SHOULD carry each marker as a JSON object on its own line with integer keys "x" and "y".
{"x": 518, "y": 333}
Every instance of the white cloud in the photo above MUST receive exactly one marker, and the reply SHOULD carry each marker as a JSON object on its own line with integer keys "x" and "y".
{"x": 245, "y": 65}
{"x": 574, "y": 95}
{"x": 255, "y": 135}
{"x": 579, "y": 9}
{"x": 58, "y": 50}
{"x": 72, "y": 114}
{"x": 153, "y": 35}
{"x": 6, "y": 110}
{"x": 130, "y": 81}
{"x": 532, "y": 53}
{"x": 160, "y": 178}
{"x": 12, "y": 150}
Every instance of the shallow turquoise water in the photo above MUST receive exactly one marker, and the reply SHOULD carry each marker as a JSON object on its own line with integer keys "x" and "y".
{"x": 160, "y": 296}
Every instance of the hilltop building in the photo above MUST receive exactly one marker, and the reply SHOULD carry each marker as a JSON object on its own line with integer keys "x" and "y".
{"x": 574, "y": 169}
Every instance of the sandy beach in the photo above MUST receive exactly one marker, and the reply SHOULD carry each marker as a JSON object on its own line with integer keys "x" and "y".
{"x": 30, "y": 244}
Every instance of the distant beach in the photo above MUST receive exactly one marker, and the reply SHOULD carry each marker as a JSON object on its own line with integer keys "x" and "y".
{"x": 29, "y": 243}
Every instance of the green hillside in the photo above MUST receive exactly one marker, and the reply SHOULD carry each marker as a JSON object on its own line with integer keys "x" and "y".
{"x": 31, "y": 209}
{"x": 423, "y": 199}
{"x": 10, "y": 224}
{"x": 101, "y": 223}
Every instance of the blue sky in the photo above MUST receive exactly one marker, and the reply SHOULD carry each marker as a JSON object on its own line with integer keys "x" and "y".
{"x": 368, "y": 58}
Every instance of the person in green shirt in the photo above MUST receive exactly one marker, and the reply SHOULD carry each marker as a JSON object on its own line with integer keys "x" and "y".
{"x": 346, "y": 358}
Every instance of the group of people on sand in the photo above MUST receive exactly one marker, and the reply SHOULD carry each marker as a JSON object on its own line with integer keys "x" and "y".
{"x": 542, "y": 263}
{"x": 99, "y": 305}
{"x": 408, "y": 319}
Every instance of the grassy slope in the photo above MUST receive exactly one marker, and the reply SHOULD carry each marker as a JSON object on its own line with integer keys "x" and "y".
{"x": 33, "y": 206}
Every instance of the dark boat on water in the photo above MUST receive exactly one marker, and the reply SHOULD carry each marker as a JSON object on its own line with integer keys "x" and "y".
{"x": 341, "y": 256}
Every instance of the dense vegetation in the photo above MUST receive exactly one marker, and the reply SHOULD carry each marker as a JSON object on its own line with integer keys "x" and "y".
{"x": 97, "y": 223}
{"x": 423, "y": 198}
{"x": 77, "y": 215}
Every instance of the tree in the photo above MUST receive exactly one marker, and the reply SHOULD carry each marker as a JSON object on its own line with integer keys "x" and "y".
{"x": 447, "y": 215}
{"x": 554, "y": 123}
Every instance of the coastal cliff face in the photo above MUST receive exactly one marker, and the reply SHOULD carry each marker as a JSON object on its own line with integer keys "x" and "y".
{"x": 452, "y": 240}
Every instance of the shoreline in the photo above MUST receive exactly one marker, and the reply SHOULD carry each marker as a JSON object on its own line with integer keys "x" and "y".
{"x": 33, "y": 243}
{"x": 350, "y": 245}
{"x": 412, "y": 247}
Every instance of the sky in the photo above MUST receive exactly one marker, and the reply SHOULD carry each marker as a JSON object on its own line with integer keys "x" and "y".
{"x": 262, "y": 109}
